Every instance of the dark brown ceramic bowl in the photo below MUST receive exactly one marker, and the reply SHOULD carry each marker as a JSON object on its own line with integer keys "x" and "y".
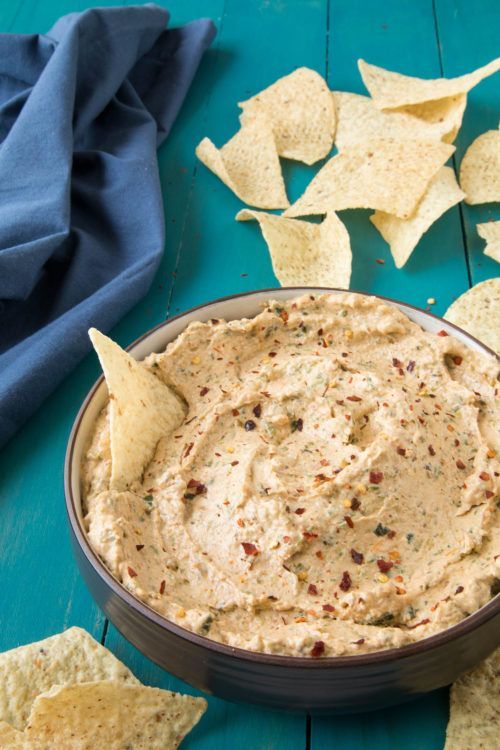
{"x": 330, "y": 685}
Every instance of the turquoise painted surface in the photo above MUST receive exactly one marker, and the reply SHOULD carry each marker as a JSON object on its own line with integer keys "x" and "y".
{"x": 208, "y": 255}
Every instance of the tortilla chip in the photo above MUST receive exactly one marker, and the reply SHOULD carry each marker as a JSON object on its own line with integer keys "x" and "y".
{"x": 478, "y": 312}
{"x": 391, "y": 90}
{"x": 475, "y": 708}
{"x": 112, "y": 716}
{"x": 306, "y": 254}
{"x": 63, "y": 659}
{"x": 403, "y": 235}
{"x": 11, "y": 739}
{"x": 248, "y": 164}
{"x": 359, "y": 120}
{"x": 301, "y": 112}
{"x": 490, "y": 231}
{"x": 480, "y": 169}
{"x": 445, "y": 115}
{"x": 142, "y": 410}
{"x": 385, "y": 174}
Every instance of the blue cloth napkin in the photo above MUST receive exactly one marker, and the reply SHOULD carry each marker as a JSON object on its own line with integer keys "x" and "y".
{"x": 82, "y": 111}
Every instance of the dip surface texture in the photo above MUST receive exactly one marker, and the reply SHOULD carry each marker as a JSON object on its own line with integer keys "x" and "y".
{"x": 331, "y": 491}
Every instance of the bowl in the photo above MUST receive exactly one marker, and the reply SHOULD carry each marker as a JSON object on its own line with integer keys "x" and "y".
{"x": 344, "y": 684}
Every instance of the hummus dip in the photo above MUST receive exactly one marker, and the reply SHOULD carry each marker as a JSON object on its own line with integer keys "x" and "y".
{"x": 332, "y": 490}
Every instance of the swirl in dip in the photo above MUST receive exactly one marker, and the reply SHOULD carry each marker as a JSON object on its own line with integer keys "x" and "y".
{"x": 332, "y": 489}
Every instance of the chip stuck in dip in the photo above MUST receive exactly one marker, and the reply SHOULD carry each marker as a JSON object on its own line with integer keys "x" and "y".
{"x": 330, "y": 490}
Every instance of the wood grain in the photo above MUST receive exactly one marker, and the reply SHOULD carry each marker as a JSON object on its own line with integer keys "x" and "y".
{"x": 208, "y": 255}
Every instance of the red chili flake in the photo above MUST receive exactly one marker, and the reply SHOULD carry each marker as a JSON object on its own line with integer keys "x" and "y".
{"x": 299, "y": 511}
{"x": 357, "y": 557}
{"x": 309, "y": 535}
{"x": 380, "y": 261}
{"x": 324, "y": 462}
{"x": 391, "y": 534}
{"x": 401, "y": 451}
{"x": 355, "y": 503}
{"x": 284, "y": 316}
{"x": 235, "y": 412}
{"x": 376, "y": 477}
{"x": 250, "y": 549}
{"x": 320, "y": 332}
{"x": 234, "y": 463}
{"x": 458, "y": 360}
{"x": 354, "y": 398}
{"x": 162, "y": 587}
{"x": 328, "y": 608}
{"x": 286, "y": 539}
{"x": 410, "y": 366}
{"x": 139, "y": 547}
{"x": 271, "y": 354}
{"x": 431, "y": 450}
{"x": 198, "y": 487}
{"x": 422, "y": 622}
{"x": 396, "y": 362}
{"x": 489, "y": 494}
{"x": 384, "y": 565}
{"x": 442, "y": 333}
{"x": 459, "y": 589}
{"x": 460, "y": 464}
{"x": 349, "y": 521}
{"x": 204, "y": 391}
{"x": 321, "y": 478}
{"x": 131, "y": 572}
{"x": 318, "y": 649}
{"x": 257, "y": 410}
{"x": 312, "y": 589}
{"x": 484, "y": 476}
{"x": 188, "y": 450}
{"x": 249, "y": 425}
{"x": 345, "y": 583}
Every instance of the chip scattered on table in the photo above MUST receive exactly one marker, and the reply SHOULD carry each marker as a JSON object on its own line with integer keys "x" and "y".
{"x": 63, "y": 659}
{"x": 490, "y": 231}
{"x": 403, "y": 235}
{"x": 109, "y": 715}
{"x": 474, "y": 722}
{"x": 248, "y": 164}
{"x": 142, "y": 410}
{"x": 302, "y": 114}
{"x": 386, "y": 174}
{"x": 303, "y": 253}
{"x": 478, "y": 312}
{"x": 359, "y": 120}
{"x": 390, "y": 90}
{"x": 480, "y": 169}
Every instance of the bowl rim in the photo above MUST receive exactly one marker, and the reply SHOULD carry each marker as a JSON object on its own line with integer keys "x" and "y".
{"x": 481, "y": 616}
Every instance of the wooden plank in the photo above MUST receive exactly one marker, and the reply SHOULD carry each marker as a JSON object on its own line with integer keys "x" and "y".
{"x": 259, "y": 43}
{"x": 399, "y": 35}
{"x": 468, "y": 35}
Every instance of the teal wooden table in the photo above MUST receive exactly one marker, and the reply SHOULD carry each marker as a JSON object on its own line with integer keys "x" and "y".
{"x": 208, "y": 255}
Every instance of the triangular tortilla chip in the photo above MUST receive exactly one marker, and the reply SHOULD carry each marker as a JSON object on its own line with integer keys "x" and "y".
{"x": 302, "y": 114}
{"x": 359, "y": 120}
{"x": 490, "y": 231}
{"x": 478, "y": 312}
{"x": 480, "y": 169}
{"x": 142, "y": 410}
{"x": 475, "y": 708}
{"x": 248, "y": 164}
{"x": 445, "y": 115}
{"x": 385, "y": 174}
{"x": 306, "y": 254}
{"x": 403, "y": 235}
{"x": 113, "y": 716}
{"x": 391, "y": 90}
{"x": 63, "y": 659}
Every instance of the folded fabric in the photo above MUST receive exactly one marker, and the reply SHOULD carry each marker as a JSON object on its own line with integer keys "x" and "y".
{"x": 82, "y": 111}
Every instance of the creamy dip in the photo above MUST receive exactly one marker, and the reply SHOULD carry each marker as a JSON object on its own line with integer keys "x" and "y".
{"x": 332, "y": 490}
